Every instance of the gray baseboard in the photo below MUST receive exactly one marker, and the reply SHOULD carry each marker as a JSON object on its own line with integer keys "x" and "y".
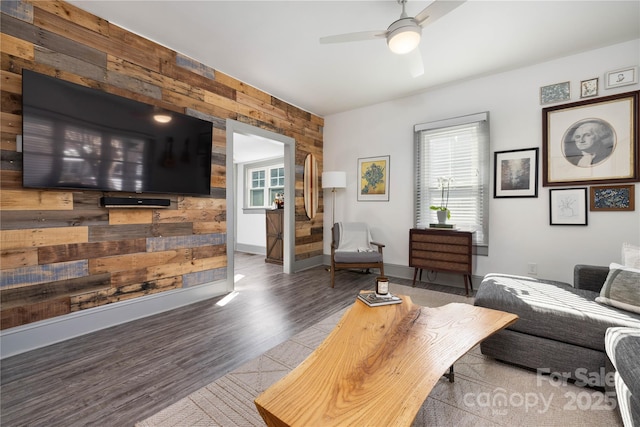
{"x": 46, "y": 332}
{"x": 308, "y": 263}
{"x": 251, "y": 249}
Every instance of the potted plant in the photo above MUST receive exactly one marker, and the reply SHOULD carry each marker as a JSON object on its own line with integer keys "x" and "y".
{"x": 442, "y": 210}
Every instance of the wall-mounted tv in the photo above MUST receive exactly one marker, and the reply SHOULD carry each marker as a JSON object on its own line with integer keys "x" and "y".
{"x": 75, "y": 137}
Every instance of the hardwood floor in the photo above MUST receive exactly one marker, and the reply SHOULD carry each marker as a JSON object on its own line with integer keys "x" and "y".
{"x": 121, "y": 375}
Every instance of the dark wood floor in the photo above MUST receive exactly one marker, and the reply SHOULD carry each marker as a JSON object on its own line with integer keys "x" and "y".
{"x": 124, "y": 374}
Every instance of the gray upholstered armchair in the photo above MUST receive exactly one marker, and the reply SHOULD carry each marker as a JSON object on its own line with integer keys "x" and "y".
{"x": 352, "y": 248}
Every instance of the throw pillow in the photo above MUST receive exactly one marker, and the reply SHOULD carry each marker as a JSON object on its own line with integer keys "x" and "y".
{"x": 630, "y": 255}
{"x": 622, "y": 288}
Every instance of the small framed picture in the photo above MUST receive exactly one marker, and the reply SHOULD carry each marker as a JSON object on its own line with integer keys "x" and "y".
{"x": 373, "y": 173}
{"x": 555, "y": 93}
{"x": 515, "y": 173}
{"x": 613, "y": 198}
{"x": 568, "y": 206}
{"x": 621, "y": 77}
{"x": 589, "y": 88}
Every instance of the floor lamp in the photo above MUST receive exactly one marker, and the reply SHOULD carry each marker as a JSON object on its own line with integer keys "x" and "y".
{"x": 334, "y": 180}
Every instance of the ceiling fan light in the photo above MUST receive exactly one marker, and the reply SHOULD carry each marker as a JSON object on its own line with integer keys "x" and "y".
{"x": 403, "y": 36}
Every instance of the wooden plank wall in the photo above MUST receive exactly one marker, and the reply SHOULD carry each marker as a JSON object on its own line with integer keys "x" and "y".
{"x": 60, "y": 251}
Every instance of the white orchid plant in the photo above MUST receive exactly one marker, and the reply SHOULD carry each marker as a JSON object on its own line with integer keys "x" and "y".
{"x": 444, "y": 183}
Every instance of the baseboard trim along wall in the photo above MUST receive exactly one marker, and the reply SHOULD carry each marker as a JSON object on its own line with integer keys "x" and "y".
{"x": 251, "y": 249}
{"x": 308, "y": 263}
{"x": 51, "y": 331}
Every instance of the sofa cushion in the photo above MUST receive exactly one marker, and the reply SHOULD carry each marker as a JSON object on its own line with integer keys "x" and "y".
{"x": 622, "y": 288}
{"x": 357, "y": 257}
{"x": 553, "y": 310}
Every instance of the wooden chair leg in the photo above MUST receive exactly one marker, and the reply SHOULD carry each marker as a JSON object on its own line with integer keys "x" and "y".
{"x": 333, "y": 274}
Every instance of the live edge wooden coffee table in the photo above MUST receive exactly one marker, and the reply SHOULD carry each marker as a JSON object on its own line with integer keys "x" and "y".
{"x": 378, "y": 365}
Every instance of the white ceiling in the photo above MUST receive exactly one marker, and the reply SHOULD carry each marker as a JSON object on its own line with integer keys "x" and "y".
{"x": 273, "y": 45}
{"x": 250, "y": 148}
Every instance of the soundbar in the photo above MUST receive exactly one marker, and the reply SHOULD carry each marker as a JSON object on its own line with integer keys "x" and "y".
{"x": 133, "y": 202}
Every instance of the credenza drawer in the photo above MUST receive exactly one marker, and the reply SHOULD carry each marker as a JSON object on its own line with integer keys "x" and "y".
{"x": 437, "y": 247}
{"x": 440, "y": 250}
{"x": 442, "y": 238}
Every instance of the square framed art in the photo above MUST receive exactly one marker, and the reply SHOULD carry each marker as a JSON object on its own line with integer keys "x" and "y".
{"x": 373, "y": 179}
{"x": 589, "y": 88}
{"x": 515, "y": 173}
{"x": 568, "y": 206}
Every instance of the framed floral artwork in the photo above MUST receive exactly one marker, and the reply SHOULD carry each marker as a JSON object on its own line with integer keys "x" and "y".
{"x": 373, "y": 173}
{"x": 589, "y": 88}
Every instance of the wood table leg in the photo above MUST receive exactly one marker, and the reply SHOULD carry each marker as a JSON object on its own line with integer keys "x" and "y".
{"x": 415, "y": 272}
{"x": 450, "y": 374}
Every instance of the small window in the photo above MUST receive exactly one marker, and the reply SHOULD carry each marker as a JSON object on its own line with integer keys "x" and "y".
{"x": 263, "y": 185}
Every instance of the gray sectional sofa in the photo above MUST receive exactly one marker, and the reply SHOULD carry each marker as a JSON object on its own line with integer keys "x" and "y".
{"x": 623, "y": 349}
{"x": 561, "y": 328}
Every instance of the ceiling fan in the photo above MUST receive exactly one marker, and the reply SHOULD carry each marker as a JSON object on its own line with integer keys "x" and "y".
{"x": 403, "y": 35}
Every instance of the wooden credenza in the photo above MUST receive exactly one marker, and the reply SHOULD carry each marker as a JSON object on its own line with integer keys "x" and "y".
{"x": 275, "y": 234}
{"x": 441, "y": 250}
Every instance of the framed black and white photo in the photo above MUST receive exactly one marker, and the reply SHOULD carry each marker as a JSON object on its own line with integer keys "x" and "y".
{"x": 373, "y": 173}
{"x": 591, "y": 141}
{"x": 555, "y": 93}
{"x": 568, "y": 206}
{"x": 589, "y": 88}
{"x": 621, "y": 77}
{"x": 515, "y": 173}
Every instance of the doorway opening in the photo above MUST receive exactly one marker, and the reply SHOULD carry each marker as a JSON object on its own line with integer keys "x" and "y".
{"x": 245, "y": 145}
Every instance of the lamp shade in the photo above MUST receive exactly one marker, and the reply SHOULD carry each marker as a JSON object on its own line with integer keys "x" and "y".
{"x": 403, "y": 35}
{"x": 334, "y": 179}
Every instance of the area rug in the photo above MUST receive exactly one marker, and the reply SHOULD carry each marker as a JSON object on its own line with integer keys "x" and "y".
{"x": 485, "y": 392}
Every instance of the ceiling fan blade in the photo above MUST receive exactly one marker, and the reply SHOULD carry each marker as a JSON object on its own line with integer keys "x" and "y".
{"x": 354, "y": 37}
{"x": 435, "y": 11}
{"x": 414, "y": 63}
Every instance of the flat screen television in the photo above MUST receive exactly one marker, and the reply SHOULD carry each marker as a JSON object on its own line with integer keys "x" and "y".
{"x": 75, "y": 137}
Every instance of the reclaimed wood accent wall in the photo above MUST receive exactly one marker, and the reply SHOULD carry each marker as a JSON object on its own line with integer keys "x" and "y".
{"x": 60, "y": 251}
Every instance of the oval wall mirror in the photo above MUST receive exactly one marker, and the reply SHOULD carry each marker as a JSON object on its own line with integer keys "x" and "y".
{"x": 310, "y": 185}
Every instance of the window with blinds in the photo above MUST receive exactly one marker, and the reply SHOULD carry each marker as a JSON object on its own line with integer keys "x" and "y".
{"x": 456, "y": 149}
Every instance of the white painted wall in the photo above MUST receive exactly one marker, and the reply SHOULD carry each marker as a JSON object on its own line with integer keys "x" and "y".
{"x": 251, "y": 228}
{"x": 519, "y": 228}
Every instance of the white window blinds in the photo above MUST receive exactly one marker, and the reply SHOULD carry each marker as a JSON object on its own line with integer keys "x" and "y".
{"x": 457, "y": 149}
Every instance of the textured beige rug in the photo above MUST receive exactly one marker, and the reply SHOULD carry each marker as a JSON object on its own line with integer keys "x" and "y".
{"x": 485, "y": 392}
